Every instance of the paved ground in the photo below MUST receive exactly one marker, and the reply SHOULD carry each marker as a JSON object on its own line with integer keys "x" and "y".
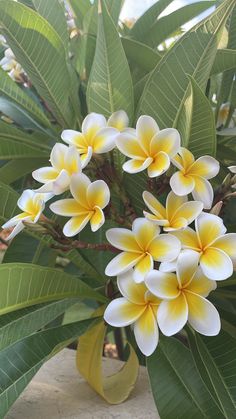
{"x": 58, "y": 392}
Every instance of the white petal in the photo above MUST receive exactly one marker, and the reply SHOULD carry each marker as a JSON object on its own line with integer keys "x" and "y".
{"x": 105, "y": 140}
{"x": 69, "y": 136}
{"x": 17, "y": 229}
{"x": 146, "y": 128}
{"x": 209, "y": 227}
{"x": 62, "y": 183}
{"x": 98, "y": 194}
{"x": 203, "y": 192}
{"x": 97, "y": 220}
{"x": 57, "y": 157}
{"x": 118, "y": 120}
{"x": 136, "y": 166}
{"x": 167, "y": 140}
{"x": 181, "y": 184}
{"x": 72, "y": 160}
{"x": 45, "y": 174}
{"x": 172, "y": 315}
{"x": 187, "y": 265}
{"x": 85, "y": 158}
{"x": 123, "y": 239}
{"x": 25, "y": 198}
{"x": 75, "y": 225}
{"x": 120, "y": 312}
{"x": 216, "y": 264}
{"x": 163, "y": 285}
{"x": 165, "y": 248}
{"x": 93, "y": 121}
{"x": 142, "y": 268}
{"x": 203, "y": 316}
{"x": 78, "y": 187}
{"x": 133, "y": 292}
{"x": 205, "y": 166}
{"x": 145, "y": 231}
{"x": 146, "y": 332}
{"x": 122, "y": 263}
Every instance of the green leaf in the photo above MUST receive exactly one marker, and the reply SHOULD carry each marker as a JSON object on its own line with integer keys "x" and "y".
{"x": 167, "y": 88}
{"x": 110, "y": 86}
{"x": 16, "y": 144}
{"x": 143, "y": 24}
{"x": 40, "y": 51}
{"x": 114, "y": 8}
{"x": 216, "y": 363}
{"x": 164, "y": 27}
{"x": 53, "y": 11}
{"x": 80, "y": 8}
{"x": 202, "y": 130}
{"x": 176, "y": 385}
{"x": 16, "y": 169}
{"x": 11, "y": 90}
{"x": 8, "y": 206}
{"x": 23, "y": 285}
{"x": 225, "y": 60}
{"x": 135, "y": 185}
{"x": 18, "y": 324}
{"x": 140, "y": 54}
{"x": 20, "y": 362}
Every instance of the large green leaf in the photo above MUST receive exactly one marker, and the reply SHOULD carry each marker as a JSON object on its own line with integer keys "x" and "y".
{"x": 16, "y": 169}
{"x": 110, "y": 85}
{"x": 18, "y": 324}
{"x": 164, "y": 27}
{"x": 135, "y": 185}
{"x": 80, "y": 8}
{"x": 23, "y": 285}
{"x": 11, "y": 90}
{"x": 225, "y": 60}
{"x": 114, "y": 8}
{"x": 216, "y": 363}
{"x": 20, "y": 362}
{"x": 202, "y": 131}
{"x": 16, "y": 144}
{"x": 53, "y": 11}
{"x": 8, "y": 207}
{"x": 143, "y": 24}
{"x": 177, "y": 387}
{"x": 140, "y": 54}
{"x": 41, "y": 53}
{"x": 167, "y": 88}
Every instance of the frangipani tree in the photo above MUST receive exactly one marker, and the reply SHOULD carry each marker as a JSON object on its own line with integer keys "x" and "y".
{"x": 117, "y": 196}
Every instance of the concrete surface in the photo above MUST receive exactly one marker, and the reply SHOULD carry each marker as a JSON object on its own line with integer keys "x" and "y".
{"x": 58, "y": 392}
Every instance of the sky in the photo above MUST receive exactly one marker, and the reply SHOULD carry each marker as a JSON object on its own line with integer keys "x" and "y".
{"x": 135, "y": 8}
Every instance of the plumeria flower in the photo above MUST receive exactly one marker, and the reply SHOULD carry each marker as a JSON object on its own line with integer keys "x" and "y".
{"x": 9, "y": 64}
{"x": 89, "y": 199}
{"x": 232, "y": 169}
{"x": 192, "y": 176}
{"x": 148, "y": 147}
{"x": 139, "y": 307}
{"x": 177, "y": 214}
{"x": 32, "y": 204}
{"x": 140, "y": 247}
{"x": 216, "y": 250}
{"x": 118, "y": 120}
{"x": 184, "y": 299}
{"x": 95, "y": 137}
{"x": 65, "y": 162}
{"x": 223, "y": 114}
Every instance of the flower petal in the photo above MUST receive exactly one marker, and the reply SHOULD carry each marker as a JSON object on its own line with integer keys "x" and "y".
{"x": 122, "y": 263}
{"x": 146, "y": 128}
{"x": 97, "y": 219}
{"x": 26, "y": 200}
{"x": 172, "y": 315}
{"x": 187, "y": 265}
{"x": 154, "y": 205}
{"x": 92, "y": 123}
{"x": 173, "y": 203}
{"x": 188, "y": 238}
{"x": 145, "y": 231}
{"x": 155, "y": 219}
{"x": 181, "y": 184}
{"x": 120, "y": 312}
{"x": 78, "y": 187}
{"x": 73, "y": 137}
{"x": 205, "y": 166}
{"x": 16, "y": 230}
{"x": 61, "y": 183}
{"x": 227, "y": 243}
{"x": 123, "y": 239}
{"x": 168, "y": 266}
{"x": 104, "y": 140}
{"x": 142, "y": 268}
{"x": 45, "y": 174}
{"x": 164, "y": 248}
{"x": 163, "y": 285}
{"x": 73, "y": 161}
{"x": 209, "y": 227}
{"x": 128, "y": 144}
{"x": 176, "y": 224}
{"x": 216, "y": 264}
{"x": 200, "y": 284}
{"x": 86, "y": 157}
{"x": 146, "y": 332}
{"x": 57, "y": 156}
{"x": 160, "y": 164}
{"x": 68, "y": 208}
{"x": 167, "y": 140}
{"x": 16, "y": 219}
{"x": 76, "y": 224}
{"x": 189, "y": 210}
{"x": 118, "y": 120}
{"x": 133, "y": 292}
{"x": 203, "y": 316}
{"x": 98, "y": 194}
{"x": 136, "y": 166}
{"x": 187, "y": 157}
{"x": 203, "y": 192}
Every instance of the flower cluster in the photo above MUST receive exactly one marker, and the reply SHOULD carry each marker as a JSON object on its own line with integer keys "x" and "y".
{"x": 165, "y": 268}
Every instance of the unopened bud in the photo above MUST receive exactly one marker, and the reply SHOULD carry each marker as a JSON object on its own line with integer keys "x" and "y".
{"x": 217, "y": 208}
